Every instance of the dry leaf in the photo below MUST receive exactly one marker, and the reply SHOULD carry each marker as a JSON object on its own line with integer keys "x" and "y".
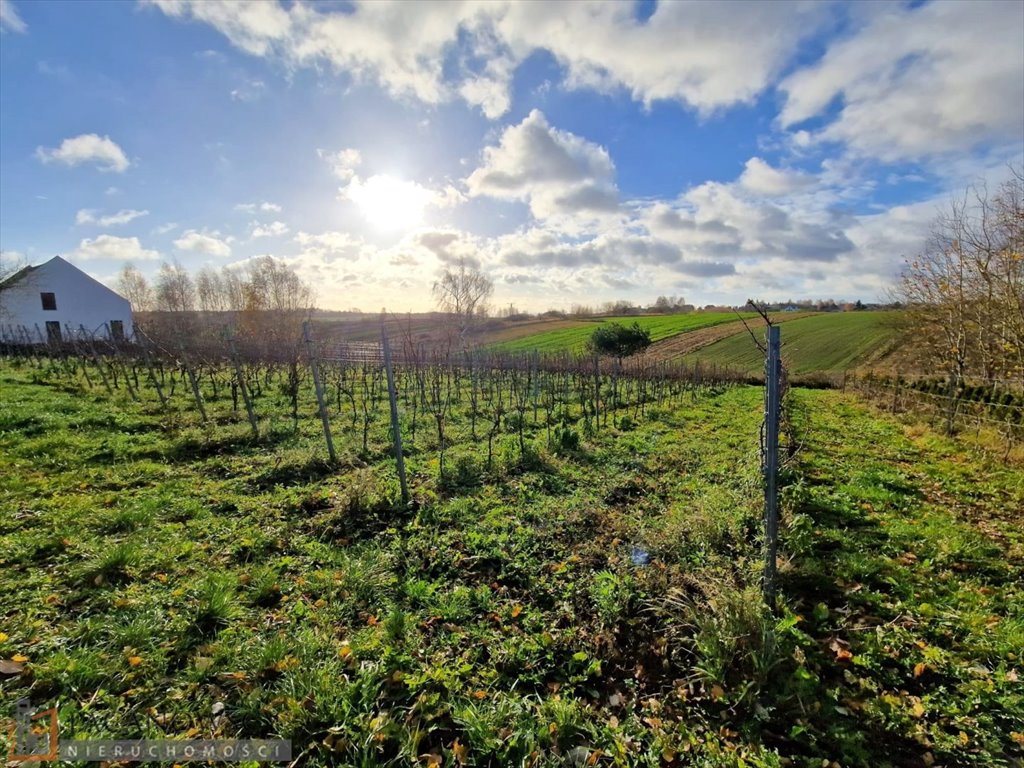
{"x": 460, "y": 751}
{"x": 10, "y": 667}
{"x": 919, "y": 669}
{"x": 135, "y": 660}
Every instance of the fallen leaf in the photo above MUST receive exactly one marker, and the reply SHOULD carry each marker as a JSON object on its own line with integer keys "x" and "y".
{"x": 479, "y": 694}
{"x": 3, "y": 636}
{"x": 19, "y": 658}
{"x": 516, "y": 610}
{"x": 8, "y": 667}
{"x": 461, "y": 752}
{"x": 842, "y": 654}
{"x": 717, "y": 692}
{"x": 919, "y": 669}
{"x": 135, "y": 660}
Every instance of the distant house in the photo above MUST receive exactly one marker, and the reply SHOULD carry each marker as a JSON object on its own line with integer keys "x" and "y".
{"x": 56, "y": 301}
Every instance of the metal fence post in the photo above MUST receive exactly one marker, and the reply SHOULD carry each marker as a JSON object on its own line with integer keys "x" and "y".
{"x": 773, "y": 370}
{"x": 396, "y": 431}
{"x": 314, "y": 365}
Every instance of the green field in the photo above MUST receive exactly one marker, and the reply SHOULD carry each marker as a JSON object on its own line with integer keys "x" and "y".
{"x": 827, "y": 342}
{"x": 586, "y": 601}
{"x": 659, "y": 326}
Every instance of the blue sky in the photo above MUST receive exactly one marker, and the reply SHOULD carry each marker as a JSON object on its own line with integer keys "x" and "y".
{"x": 578, "y": 152}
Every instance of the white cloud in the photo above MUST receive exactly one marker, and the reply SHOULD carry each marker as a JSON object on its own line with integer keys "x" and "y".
{"x": 266, "y": 207}
{"x": 330, "y": 245}
{"x": 92, "y": 217}
{"x": 87, "y": 148}
{"x": 116, "y": 248}
{"x": 758, "y": 176}
{"x": 918, "y": 81}
{"x": 250, "y": 90}
{"x": 343, "y": 162}
{"x": 202, "y": 242}
{"x": 274, "y": 229}
{"x": 163, "y": 229}
{"x": 556, "y": 172}
{"x": 718, "y": 56}
{"x": 9, "y": 18}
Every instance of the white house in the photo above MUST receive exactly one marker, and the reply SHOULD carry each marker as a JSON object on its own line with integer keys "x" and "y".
{"x": 56, "y": 299}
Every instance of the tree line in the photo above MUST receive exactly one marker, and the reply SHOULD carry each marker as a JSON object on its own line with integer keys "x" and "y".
{"x": 963, "y": 294}
{"x": 265, "y": 283}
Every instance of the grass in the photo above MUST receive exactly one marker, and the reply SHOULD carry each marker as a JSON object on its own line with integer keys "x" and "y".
{"x": 574, "y": 339}
{"x": 827, "y": 342}
{"x": 597, "y": 605}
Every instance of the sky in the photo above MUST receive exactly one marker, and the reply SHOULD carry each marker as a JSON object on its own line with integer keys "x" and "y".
{"x": 577, "y": 152}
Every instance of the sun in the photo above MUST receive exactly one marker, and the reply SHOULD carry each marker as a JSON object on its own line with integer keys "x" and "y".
{"x": 388, "y": 203}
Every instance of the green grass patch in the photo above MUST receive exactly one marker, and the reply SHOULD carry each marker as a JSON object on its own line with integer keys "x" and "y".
{"x": 594, "y": 599}
{"x": 659, "y": 326}
{"x": 826, "y": 342}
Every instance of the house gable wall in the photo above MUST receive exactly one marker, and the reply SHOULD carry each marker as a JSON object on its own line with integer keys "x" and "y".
{"x": 81, "y": 301}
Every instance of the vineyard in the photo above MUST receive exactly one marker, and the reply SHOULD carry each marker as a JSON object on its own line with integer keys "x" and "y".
{"x": 575, "y": 578}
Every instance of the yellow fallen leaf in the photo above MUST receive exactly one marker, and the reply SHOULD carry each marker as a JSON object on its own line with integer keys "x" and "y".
{"x": 717, "y": 692}
{"x": 3, "y": 636}
{"x": 918, "y": 709}
{"x": 516, "y": 610}
{"x": 135, "y": 660}
{"x": 461, "y": 752}
{"x": 479, "y": 694}
{"x": 919, "y": 669}
{"x": 20, "y": 658}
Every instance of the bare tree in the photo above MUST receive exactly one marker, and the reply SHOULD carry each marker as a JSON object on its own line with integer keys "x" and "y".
{"x": 175, "y": 291}
{"x": 10, "y": 264}
{"x": 233, "y": 284}
{"x": 211, "y": 291}
{"x": 275, "y": 286}
{"x": 463, "y": 291}
{"x": 964, "y": 293}
{"x": 132, "y": 284}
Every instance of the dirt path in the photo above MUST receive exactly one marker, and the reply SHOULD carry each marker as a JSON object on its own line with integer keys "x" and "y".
{"x": 685, "y": 343}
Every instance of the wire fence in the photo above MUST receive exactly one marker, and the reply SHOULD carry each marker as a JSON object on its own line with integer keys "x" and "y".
{"x": 952, "y": 405}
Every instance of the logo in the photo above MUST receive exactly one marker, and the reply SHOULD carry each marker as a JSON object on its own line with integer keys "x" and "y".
{"x": 33, "y": 735}
{"x": 33, "y": 739}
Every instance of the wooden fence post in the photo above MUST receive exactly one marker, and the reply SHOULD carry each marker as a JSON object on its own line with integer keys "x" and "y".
{"x": 396, "y": 431}
{"x": 241, "y": 382}
{"x": 194, "y": 382}
{"x": 314, "y": 366}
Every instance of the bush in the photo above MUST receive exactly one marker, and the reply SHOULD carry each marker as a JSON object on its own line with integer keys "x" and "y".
{"x": 619, "y": 341}
{"x": 565, "y": 439}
